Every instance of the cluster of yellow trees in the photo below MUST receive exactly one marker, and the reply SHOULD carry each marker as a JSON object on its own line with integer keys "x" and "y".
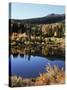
{"x": 55, "y": 30}
{"x": 45, "y": 30}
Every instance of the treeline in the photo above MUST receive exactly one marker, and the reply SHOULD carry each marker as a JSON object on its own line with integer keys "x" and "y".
{"x": 45, "y": 30}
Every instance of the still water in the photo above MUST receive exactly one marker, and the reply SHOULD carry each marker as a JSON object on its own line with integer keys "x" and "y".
{"x": 33, "y": 66}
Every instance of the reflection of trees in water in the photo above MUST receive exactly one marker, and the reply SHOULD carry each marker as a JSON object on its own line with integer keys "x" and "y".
{"x": 36, "y": 50}
{"x": 39, "y": 52}
{"x": 21, "y": 55}
{"x": 15, "y": 55}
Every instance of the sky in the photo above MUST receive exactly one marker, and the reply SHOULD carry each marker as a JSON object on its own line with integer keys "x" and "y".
{"x": 27, "y": 10}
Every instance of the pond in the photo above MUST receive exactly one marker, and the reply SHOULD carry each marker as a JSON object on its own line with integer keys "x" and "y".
{"x": 30, "y": 67}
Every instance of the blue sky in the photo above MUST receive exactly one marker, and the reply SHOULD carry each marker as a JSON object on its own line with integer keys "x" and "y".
{"x": 27, "y": 10}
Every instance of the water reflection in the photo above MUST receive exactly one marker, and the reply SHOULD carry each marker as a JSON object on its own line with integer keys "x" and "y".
{"x": 48, "y": 57}
{"x": 30, "y": 60}
{"x": 37, "y": 50}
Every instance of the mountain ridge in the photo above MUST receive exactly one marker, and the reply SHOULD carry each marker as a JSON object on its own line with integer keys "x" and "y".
{"x": 51, "y": 18}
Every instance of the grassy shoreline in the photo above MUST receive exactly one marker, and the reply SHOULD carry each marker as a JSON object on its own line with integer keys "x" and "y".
{"x": 53, "y": 75}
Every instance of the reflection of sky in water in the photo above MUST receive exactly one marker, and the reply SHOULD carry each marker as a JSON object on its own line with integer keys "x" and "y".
{"x": 21, "y": 66}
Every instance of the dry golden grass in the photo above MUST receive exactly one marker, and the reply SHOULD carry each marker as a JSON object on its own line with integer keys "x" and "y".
{"x": 53, "y": 75}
